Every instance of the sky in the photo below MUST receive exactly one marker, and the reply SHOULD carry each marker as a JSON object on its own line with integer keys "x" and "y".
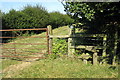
{"x": 50, "y": 5}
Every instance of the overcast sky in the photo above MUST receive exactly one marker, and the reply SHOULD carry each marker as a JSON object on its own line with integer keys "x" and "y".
{"x": 50, "y": 5}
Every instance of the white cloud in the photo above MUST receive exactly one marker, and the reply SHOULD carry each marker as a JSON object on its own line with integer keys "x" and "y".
{"x": 29, "y": 0}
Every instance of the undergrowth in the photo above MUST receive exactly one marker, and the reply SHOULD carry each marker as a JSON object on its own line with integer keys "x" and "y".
{"x": 59, "y": 48}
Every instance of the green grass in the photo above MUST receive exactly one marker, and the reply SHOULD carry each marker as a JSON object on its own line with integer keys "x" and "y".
{"x": 7, "y": 62}
{"x": 26, "y": 52}
{"x": 52, "y": 68}
{"x": 65, "y": 68}
{"x": 34, "y": 48}
{"x": 36, "y": 40}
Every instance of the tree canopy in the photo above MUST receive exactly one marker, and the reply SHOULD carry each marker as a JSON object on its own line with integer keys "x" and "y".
{"x": 29, "y": 17}
{"x": 96, "y": 15}
{"x": 57, "y": 19}
{"x": 34, "y": 17}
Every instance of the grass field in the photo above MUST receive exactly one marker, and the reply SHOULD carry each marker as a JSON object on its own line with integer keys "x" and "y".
{"x": 61, "y": 68}
{"x": 54, "y": 68}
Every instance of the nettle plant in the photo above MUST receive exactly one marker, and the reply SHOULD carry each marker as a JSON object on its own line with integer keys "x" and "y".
{"x": 59, "y": 47}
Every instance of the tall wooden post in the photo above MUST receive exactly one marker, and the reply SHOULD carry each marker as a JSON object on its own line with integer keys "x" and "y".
{"x": 104, "y": 45}
{"x": 115, "y": 48}
{"x": 71, "y": 44}
{"x": 73, "y": 40}
{"x": 50, "y": 39}
{"x": 95, "y": 58}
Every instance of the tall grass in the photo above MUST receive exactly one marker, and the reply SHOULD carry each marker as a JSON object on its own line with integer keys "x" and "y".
{"x": 66, "y": 68}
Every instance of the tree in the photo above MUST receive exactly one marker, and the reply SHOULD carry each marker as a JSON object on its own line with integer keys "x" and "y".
{"x": 38, "y": 16}
{"x": 99, "y": 18}
{"x": 0, "y": 14}
{"x": 0, "y": 24}
{"x": 102, "y": 15}
{"x": 0, "y": 18}
{"x": 58, "y": 19}
{"x": 29, "y": 17}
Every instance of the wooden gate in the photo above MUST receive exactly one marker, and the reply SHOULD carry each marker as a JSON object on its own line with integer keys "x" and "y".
{"x": 21, "y": 45}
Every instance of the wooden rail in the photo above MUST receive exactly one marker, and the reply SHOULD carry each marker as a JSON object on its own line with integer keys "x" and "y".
{"x": 60, "y": 36}
{"x": 26, "y": 43}
{"x": 23, "y": 29}
{"x": 14, "y": 48}
{"x": 23, "y": 56}
{"x": 72, "y": 36}
{"x": 71, "y": 42}
{"x": 26, "y": 37}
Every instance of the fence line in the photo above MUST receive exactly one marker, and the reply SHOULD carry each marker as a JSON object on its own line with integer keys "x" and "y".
{"x": 71, "y": 42}
{"x": 14, "y": 50}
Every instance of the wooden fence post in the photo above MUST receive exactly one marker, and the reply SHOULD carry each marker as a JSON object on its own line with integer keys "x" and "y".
{"x": 95, "y": 58}
{"x": 73, "y": 40}
{"x": 71, "y": 44}
{"x": 104, "y": 45}
{"x": 50, "y": 39}
{"x": 115, "y": 48}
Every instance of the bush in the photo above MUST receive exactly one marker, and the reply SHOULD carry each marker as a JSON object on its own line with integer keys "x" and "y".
{"x": 0, "y": 14}
{"x": 57, "y": 19}
{"x": 29, "y": 17}
{"x": 59, "y": 48}
{"x": 39, "y": 16}
{"x": 32, "y": 17}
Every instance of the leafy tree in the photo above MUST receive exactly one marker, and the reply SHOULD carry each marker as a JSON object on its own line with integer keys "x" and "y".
{"x": 0, "y": 14}
{"x": 58, "y": 19}
{"x": 0, "y": 24}
{"x": 1, "y": 18}
{"x": 67, "y": 19}
{"x": 102, "y": 15}
{"x": 29, "y": 17}
{"x": 15, "y": 19}
{"x": 99, "y": 18}
{"x": 32, "y": 17}
{"x": 38, "y": 16}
